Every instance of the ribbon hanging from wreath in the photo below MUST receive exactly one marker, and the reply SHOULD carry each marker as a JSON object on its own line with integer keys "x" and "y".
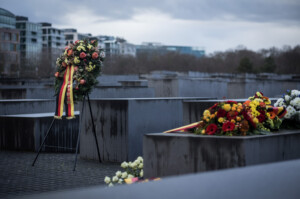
{"x": 77, "y": 71}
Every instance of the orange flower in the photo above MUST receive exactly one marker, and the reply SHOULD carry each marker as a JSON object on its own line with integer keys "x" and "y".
{"x": 70, "y": 52}
{"x": 272, "y": 115}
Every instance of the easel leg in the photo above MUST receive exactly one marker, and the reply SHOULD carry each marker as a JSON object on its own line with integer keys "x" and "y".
{"x": 43, "y": 142}
{"x": 94, "y": 129}
{"x": 78, "y": 138}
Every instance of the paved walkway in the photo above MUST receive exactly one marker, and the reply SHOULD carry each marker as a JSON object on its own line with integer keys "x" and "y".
{"x": 52, "y": 172}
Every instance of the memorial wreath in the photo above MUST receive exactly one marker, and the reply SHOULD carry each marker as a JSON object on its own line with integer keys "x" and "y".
{"x": 76, "y": 74}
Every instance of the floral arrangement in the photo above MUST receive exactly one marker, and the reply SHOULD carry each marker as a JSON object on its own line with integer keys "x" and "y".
{"x": 85, "y": 60}
{"x": 255, "y": 116}
{"x": 132, "y": 170}
{"x": 291, "y": 101}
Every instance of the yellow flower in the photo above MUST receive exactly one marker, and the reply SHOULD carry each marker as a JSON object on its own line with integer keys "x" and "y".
{"x": 268, "y": 115}
{"x": 221, "y": 120}
{"x": 238, "y": 118}
{"x": 212, "y": 116}
{"x": 258, "y": 94}
{"x": 255, "y": 120}
{"x": 76, "y": 60}
{"x": 239, "y": 110}
{"x": 233, "y": 108}
{"x": 240, "y": 104}
{"x": 234, "y": 105}
{"x": 203, "y": 132}
{"x": 207, "y": 120}
{"x": 233, "y": 121}
{"x": 66, "y": 60}
{"x": 205, "y": 113}
{"x": 227, "y": 107}
{"x": 80, "y": 47}
{"x": 89, "y": 46}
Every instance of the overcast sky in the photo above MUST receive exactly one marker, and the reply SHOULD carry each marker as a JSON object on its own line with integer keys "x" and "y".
{"x": 216, "y": 25}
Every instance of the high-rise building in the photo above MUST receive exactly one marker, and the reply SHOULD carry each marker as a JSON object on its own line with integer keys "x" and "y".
{"x": 71, "y": 35}
{"x": 9, "y": 44}
{"x": 157, "y": 48}
{"x": 53, "y": 45}
{"x": 30, "y": 46}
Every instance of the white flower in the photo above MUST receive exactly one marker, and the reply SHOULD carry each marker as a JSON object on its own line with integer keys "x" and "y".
{"x": 141, "y": 173}
{"x": 295, "y": 93}
{"x": 287, "y": 98}
{"x": 124, "y": 175}
{"x": 118, "y": 174}
{"x": 290, "y": 112}
{"x": 296, "y": 102}
{"x": 134, "y": 165}
{"x": 115, "y": 179}
{"x": 141, "y": 165}
{"x": 107, "y": 180}
{"x": 124, "y": 165}
{"x": 102, "y": 54}
{"x": 120, "y": 181}
{"x": 130, "y": 176}
{"x": 111, "y": 185}
{"x": 140, "y": 159}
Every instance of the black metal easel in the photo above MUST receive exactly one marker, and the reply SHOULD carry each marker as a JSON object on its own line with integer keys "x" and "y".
{"x": 78, "y": 138}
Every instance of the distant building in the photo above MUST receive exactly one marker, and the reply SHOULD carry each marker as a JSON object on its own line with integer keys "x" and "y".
{"x": 71, "y": 35}
{"x": 152, "y": 48}
{"x": 116, "y": 46}
{"x": 53, "y": 45}
{"x": 9, "y": 44}
{"x": 30, "y": 46}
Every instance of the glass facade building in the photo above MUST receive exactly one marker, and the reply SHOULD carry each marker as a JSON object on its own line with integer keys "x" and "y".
{"x": 30, "y": 45}
{"x": 9, "y": 45}
{"x": 53, "y": 40}
{"x": 71, "y": 35}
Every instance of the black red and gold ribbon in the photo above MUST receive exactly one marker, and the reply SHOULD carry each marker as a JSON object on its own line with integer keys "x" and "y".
{"x": 66, "y": 89}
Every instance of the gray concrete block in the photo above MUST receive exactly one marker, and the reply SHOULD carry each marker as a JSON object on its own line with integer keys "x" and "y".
{"x": 121, "y": 124}
{"x": 27, "y": 131}
{"x": 276, "y": 181}
{"x": 178, "y": 153}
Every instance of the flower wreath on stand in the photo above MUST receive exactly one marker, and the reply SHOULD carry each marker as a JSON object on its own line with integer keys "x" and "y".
{"x": 77, "y": 71}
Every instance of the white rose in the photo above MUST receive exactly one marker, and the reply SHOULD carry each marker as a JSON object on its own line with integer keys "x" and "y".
{"x": 141, "y": 166}
{"x": 141, "y": 173}
{"x": 140, "y": 159}
{"x": 118, "y": 174}
{"x": 133, "y": 165}
{"x": 111, "y": 185}
{"x": 107, "y": 180}
{"x": 294, "y": 93}
{"x": 124, "y": 165}
{"x": 120, "y": 181}
{"x": 115, "y": 179}
{"x": 124, "y": 175}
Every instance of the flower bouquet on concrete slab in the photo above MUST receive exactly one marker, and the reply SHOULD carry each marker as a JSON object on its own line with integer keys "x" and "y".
{"x": 132, "y": 173}
{"x": 253, "y": 117}
{"x": 291, "y": 101}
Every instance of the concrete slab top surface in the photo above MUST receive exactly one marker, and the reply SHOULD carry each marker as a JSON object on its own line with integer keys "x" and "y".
{"x": 221, "y": 100}
{"x": 276, "y": 181}
{"x": 25, "y": 100}
{"x": 152, "y": 98}
{"x": 184, "y": 134}
{"x": 36, "y": 115}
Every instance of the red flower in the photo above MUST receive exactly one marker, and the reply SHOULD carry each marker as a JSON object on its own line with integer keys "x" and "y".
{"x": 211, "y": 129}
{"x": 231, "y": 115}
{"x": 56, "y": 74}
{"x": 248, "y": 118}
{"x": 221, "y": 113}
{"x": 76, "y": 41}
{"x": 95, "y": 55}
{"x": 82, "y": 81}
{"x": 76, "y": 68}
{"x": 262, "y": 117}
{"x": 231, "y": 102}
{"x": 228, "y": 126}
{"x": 82, "y": 55}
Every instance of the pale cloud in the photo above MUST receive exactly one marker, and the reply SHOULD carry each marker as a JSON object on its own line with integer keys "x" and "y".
{"x": 214, "y": 25}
